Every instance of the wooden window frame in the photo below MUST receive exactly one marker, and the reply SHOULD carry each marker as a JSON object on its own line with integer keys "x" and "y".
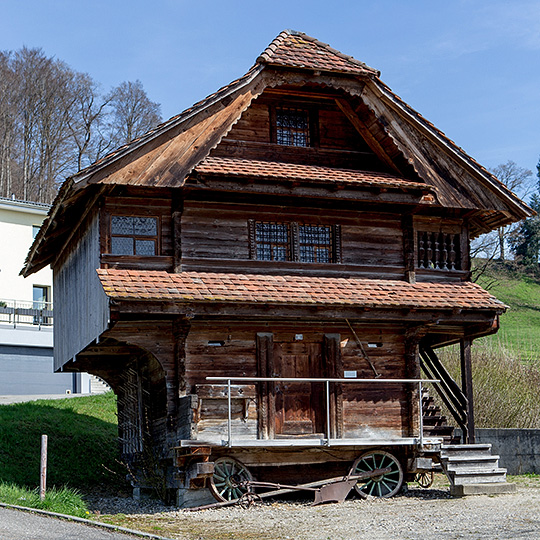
{"x": 294, "y": 245}
{"x": 312, "y": 130}
{"x": 156, "y": 238}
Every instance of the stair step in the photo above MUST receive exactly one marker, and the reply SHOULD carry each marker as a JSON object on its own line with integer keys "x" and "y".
{"x": 465, "y": 450}
{"x": 468, "y": 458}
{"x": 477, "y": 477}
{"x": 435, "y": 421}
{"x": 476, "y": 446}
{"x": 439, "y": 429}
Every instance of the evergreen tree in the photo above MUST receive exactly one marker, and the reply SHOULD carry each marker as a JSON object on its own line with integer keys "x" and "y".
{"x": 525, "y": 242}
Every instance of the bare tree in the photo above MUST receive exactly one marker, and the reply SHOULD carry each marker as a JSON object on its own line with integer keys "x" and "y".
{"x": 518, "y": 180}
{"x": 7, "y": 126}
{"x": 133, "y": 114}
{"x": 54, "y": 121}
{"x": 87, "y": 124}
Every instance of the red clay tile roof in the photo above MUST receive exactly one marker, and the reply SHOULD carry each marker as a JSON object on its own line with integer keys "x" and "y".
{"x": 298, "y": 50}
{"x": 293, "y": 290}
{"x": 313, "y": 173}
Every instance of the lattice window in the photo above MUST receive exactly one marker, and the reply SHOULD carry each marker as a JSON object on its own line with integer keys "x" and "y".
{"x": 272, "y": 241}
{"x": 292, "y": 127}
{"x": 129, "y": 413}
{"x": 134, "y": 235}
{"x": 315, "y": 243}
{"x": 439, "y": 251}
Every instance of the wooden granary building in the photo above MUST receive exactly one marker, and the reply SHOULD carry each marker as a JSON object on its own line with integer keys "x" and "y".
{"x": 303, "y": 222}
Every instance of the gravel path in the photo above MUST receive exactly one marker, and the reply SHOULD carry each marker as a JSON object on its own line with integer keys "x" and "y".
{"x": 416, "y": 515}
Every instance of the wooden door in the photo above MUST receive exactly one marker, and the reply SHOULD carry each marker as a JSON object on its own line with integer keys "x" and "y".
{"x": 299, "y": 407}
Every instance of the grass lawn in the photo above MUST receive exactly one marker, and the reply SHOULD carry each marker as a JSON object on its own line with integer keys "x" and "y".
{"x": 82, "y": 443}
{"x": 520, "y": 325}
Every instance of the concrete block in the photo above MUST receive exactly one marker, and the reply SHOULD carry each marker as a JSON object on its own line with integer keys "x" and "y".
{"x": 482, "y": 489}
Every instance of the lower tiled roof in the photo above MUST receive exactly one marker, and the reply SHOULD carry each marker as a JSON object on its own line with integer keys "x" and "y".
{"x": 248, "y": 168}
{"x": 294, "y": 290}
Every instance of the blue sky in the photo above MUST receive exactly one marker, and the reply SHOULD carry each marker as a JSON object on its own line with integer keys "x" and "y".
{"x": 472, "y": 67}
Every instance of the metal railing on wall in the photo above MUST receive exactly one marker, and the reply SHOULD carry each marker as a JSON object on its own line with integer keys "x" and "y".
{"x": 326, "y": 383}
{"x": 20, "y": 312}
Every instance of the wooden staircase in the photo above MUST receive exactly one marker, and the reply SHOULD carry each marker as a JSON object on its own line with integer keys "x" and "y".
{"x": 435, "y": 423}
{"x": 473, "y": 470}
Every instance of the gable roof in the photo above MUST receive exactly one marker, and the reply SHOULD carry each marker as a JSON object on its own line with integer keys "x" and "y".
{"x": 168, "y": 154}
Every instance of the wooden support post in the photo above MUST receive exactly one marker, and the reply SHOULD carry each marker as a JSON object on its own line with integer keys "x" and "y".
{"x": 409, "y": 258}
{"x": 467, "y": 387}
{"x": 412, "y": 364}
{"x": 266, "y": 391}
{"x": 177, "y": 210}
{"x": 43, "y": 475}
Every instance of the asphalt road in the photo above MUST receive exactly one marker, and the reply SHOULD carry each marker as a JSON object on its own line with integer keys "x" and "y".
{"x": 17, "y": 525}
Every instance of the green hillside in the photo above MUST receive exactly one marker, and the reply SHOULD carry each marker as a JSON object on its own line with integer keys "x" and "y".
{"x": 520, "y": 325}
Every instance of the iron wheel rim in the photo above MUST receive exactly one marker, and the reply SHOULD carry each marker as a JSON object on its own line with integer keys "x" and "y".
{"x": 383, "y": 486}
{"x": 227, "y": 479}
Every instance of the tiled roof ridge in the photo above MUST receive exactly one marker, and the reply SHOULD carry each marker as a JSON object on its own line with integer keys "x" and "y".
{"x": 304, "y": 171}
{"x": 196, "y": 286}
{"x": 268, "y": 55}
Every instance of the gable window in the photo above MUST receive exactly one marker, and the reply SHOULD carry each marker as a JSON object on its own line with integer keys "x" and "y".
{"x": 292, "y": 127}
{"x": 271, "y": 241}
{"x": 134, "y": 235}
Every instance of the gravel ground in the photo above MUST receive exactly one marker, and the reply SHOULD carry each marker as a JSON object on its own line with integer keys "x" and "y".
{"x": 415, "y": 515}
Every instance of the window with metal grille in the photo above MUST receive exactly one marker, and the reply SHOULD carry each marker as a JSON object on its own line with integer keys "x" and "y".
{"x": 292, "y": 127}
{"x": 271, "y": 241}
{"x": 315, "y": 243}
{"x": 134, "y": 235}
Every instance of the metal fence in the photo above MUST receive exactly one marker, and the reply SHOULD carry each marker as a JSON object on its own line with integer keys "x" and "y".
{"x": 326, "y": 383}
{"x": 19, "y": 312}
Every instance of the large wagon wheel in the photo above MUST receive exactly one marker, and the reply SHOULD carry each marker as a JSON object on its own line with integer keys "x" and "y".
{"x": 228, "y": 481}
{"x": 385, "y": 485}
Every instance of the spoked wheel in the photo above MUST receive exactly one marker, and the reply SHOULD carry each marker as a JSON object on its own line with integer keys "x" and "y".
{"x": 385, "y": 485}
{"x": 227, "y": 482}
{"x": 424, "y": 479}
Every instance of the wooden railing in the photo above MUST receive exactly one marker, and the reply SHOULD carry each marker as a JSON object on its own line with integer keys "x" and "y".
{"x": 449, "y": 391}
{"x": 439, "y": 251}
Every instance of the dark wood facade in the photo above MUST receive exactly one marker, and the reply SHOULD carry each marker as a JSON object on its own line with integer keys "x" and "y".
{"x": 313, "y": 173}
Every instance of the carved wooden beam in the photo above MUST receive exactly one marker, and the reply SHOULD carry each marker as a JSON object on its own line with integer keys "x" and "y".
{"x": 373, "y": 143}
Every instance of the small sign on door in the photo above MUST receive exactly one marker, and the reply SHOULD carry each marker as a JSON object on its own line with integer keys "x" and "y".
{"x": 350, "y": 374}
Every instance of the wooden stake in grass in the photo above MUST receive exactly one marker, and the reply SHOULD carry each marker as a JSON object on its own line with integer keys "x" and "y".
{"x": 43, "y": 477}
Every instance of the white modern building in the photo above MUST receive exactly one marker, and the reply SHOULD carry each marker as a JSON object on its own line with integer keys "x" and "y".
{"x": 26, "y": 311}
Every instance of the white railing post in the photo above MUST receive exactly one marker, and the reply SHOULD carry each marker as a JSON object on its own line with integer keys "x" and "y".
{"x": 229, "y": 416}
{"x": 421, "y": 414}
{"x": 328, "y": 413}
